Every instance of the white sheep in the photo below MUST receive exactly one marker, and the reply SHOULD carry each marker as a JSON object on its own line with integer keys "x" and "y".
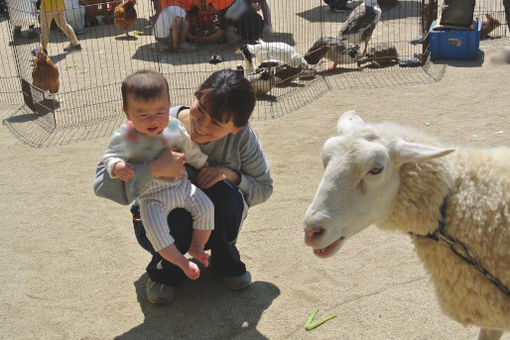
{"x": 392, "y": 176}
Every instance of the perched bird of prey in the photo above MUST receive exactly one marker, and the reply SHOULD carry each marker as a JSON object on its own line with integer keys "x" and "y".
{"x": 361, "y": 23}
{"x": 335, "y": 49}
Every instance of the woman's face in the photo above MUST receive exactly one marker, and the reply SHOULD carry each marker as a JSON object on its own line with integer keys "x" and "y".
{"x": 204, "y": 129}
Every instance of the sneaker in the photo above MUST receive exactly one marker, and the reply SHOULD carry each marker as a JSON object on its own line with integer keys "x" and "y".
{"x": 238, "y": 282}
{"x": 159, "y": 293}
{"x": 72, "y": 48}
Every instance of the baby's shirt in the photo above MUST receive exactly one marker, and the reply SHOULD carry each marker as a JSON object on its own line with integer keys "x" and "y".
{"x": 128, "y": 145}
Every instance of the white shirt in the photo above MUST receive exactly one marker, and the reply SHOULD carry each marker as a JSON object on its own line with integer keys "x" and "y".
{"x": 166, "y": 20}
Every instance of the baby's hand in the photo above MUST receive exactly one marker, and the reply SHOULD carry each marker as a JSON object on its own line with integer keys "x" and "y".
{"x": 200, "y": 255}
{"x": 123, "y": 170}
{"x": 191, "y": 270}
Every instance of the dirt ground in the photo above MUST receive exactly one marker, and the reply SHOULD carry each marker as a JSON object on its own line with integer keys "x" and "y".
{"x": 71, "y": 267}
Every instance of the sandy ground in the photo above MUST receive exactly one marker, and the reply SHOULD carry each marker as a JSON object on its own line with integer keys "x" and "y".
{"x": 72, "y": 269}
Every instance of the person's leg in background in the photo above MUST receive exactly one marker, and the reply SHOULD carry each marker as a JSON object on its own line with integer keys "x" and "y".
{"x": 157, "y": 9}
{"x": 266, "y": 13}
{"x": 46, "y": 17}
{"x": 60, "y": 19}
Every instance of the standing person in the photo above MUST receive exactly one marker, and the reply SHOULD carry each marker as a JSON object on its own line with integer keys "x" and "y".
{"x": 172, "y": 27}
{"x": 236, "y": 178}
{"x": 55, "y": 10}
{"x": 146, "y": 102}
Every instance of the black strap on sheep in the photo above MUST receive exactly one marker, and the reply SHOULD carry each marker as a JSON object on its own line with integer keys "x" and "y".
{"x": 459, "y": 249}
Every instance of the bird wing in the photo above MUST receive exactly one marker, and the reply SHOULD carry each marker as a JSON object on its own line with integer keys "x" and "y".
{"x": 286, "y": 73}
{"x": 360, "y": 19}
{"x": 317, "y": 51}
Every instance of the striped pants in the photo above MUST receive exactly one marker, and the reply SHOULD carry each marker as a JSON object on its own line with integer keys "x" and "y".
{"x": 156, "y": 205}
{"x": 229, "y": 211}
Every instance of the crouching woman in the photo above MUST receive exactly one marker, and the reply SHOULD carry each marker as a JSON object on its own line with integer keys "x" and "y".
{"x": 237, "y": 177}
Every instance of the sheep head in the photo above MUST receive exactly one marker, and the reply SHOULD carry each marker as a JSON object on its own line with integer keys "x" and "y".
{"x": 360, "y": 182}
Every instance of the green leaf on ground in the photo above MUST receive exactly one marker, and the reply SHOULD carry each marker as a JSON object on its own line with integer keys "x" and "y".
{"x": 309, "y": 325}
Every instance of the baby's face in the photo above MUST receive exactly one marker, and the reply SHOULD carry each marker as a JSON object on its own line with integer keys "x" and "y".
{"x": 148, "y": 117}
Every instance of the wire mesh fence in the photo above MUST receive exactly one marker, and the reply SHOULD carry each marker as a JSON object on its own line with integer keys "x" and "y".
{"x": 88, "y": 102}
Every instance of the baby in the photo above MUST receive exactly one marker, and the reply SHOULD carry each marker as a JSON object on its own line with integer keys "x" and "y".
{"x": 146, "y": 103}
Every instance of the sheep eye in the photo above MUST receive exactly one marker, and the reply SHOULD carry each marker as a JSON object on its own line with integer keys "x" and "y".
{"x": 376, "y": 170}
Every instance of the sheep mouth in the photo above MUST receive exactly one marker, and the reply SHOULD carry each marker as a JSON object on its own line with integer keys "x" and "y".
{"x": 329, "y": 250}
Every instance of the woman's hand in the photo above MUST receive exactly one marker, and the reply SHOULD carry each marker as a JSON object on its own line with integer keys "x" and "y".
{"x": 209, "y": 176}
{"x": 169, "y": 164}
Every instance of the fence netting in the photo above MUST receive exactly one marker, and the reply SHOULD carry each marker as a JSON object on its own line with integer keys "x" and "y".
{"x": 88, "y": 101}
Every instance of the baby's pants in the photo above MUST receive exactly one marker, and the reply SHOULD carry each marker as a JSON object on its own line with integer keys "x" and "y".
{"x": 155, "y": 207}
{"x": 228, "y": 215}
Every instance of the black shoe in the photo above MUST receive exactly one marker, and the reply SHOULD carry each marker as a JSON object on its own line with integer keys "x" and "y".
{"x": 238, "y": 282}
{"x": 72, "y": 48}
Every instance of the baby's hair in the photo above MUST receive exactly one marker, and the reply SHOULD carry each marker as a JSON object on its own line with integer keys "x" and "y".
{"x": 226, "y": 95}
{"x": 144, "y": 85}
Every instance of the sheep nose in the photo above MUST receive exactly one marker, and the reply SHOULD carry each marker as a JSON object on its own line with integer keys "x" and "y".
{"x": 313, "y": 234}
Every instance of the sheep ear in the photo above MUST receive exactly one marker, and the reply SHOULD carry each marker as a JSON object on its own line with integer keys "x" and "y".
{"x": 347, "y": 120}
{"x": 415, "y": 152}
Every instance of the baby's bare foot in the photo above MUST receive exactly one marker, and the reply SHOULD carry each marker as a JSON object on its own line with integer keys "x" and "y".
{"x": 200, "y": 255}
{"x": 191, "y": 270}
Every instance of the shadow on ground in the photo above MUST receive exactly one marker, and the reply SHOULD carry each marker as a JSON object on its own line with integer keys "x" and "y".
{"x": 322, "y": 13}
{"x": 204, "y": 309}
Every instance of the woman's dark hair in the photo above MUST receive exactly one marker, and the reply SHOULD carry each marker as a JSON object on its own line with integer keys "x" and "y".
{"x": 144, "y": 85}
{"x": 227, "y": 95}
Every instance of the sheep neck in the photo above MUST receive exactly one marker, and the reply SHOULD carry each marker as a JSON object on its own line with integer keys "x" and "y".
{"x": 423, "y": 187}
